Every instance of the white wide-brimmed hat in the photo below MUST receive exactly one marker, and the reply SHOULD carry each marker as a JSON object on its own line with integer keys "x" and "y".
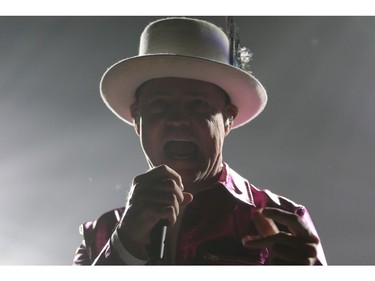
{"x": 184, "y": 48}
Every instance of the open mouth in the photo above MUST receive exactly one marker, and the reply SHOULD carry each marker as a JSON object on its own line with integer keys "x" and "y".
{"x": 180, "y": 149}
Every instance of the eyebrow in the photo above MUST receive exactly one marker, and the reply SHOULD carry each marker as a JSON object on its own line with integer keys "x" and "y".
{"x": 193, "y": 94}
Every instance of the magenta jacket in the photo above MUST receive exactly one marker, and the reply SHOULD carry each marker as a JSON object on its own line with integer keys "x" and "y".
{"x": 212, "y": 227}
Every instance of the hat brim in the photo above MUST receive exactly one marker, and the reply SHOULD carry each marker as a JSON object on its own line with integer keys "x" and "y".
{"x": 119, "y": 83}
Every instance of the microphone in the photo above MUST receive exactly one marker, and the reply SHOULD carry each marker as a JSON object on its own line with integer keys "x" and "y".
{"x": 158, "y": 235}
{"x": 162, "y": 225}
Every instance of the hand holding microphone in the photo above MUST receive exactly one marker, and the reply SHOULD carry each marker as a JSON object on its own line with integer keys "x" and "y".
{"x": 154, "y": 203}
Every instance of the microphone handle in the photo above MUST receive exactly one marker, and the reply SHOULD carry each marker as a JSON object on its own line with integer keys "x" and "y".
{"x": 158, "y": 236}
{"x": 163, "y": 230}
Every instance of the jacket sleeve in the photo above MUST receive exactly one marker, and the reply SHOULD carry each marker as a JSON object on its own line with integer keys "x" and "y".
{"x": 82, "y": 256}
{"x": 108, "y": 256}
{"x": 96, "y": 248}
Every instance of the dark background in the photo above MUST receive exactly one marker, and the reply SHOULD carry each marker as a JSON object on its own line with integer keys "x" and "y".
{"x": 65, "y": 158}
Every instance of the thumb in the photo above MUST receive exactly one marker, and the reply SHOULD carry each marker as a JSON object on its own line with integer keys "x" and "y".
{"x": 264, "y": 225}
{"x": 188, "y": 197}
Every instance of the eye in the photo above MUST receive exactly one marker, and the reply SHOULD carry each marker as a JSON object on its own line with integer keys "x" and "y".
{"x": 200, "y": 104}
{"x": 157, "y": 104}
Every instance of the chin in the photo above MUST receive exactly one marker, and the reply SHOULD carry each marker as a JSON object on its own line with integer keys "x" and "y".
{"x": 188, "y": 176}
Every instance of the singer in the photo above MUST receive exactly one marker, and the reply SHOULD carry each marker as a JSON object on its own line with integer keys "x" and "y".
{"x": 188, "y": 87}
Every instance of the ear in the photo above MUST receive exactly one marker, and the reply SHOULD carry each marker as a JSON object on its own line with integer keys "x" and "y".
{"x": 136, "y": 118}
{"x": 230, "y": 114}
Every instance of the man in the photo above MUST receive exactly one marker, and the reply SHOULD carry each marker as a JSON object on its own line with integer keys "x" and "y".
{"x": 183, "y": 94}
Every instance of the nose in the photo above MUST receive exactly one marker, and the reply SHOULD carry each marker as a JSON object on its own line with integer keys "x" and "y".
{"x": 178, "y": 115}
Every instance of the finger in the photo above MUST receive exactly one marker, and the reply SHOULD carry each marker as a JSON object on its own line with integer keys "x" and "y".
{"x": 269, "y": 241}
{"x": 303, "y": 254}
{"x": 282, "y": 244}
{"x": 139, "y": 220}
{"x": 157, "y": 199}
{"x": 158, "y": 190}
{"x": 150, "y": 214}
{"x": 168, "y": 213}
{"x": 292, "y": 221}
{"x": 159, "y": 173}
{"x": 161, "y": 178}
{"x": 188, "y": 197}
{"x": 171, "y": 211}
{"x": 248, "y": 238}
{"x": 264, "y": 225}
{"x": 280, "y": 261}
{"x": 170, "y": 185}
{"x": 257, "y": 242}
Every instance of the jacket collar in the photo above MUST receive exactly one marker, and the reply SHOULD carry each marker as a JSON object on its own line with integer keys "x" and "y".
{"x": 238, "y": 186}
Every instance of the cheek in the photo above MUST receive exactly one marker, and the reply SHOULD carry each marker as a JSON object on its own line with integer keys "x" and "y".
{"x": 147, "y": 134}
{"x": 216, "y": 130}
{"x": 216, "y": 125}
{"x": 148, "y": 127}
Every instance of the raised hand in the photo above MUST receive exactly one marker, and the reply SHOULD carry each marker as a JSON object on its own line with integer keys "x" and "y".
{"x": 299, "y": 246}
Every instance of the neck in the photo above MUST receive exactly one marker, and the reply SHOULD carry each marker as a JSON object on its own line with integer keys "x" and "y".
{"x": 198, "y": 186}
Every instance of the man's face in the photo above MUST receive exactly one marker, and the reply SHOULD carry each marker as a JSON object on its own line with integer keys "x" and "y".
{"x": 182, "y": 124}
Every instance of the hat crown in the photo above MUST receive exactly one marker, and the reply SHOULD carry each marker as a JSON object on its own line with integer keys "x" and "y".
{"x": 185, "y": 37}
